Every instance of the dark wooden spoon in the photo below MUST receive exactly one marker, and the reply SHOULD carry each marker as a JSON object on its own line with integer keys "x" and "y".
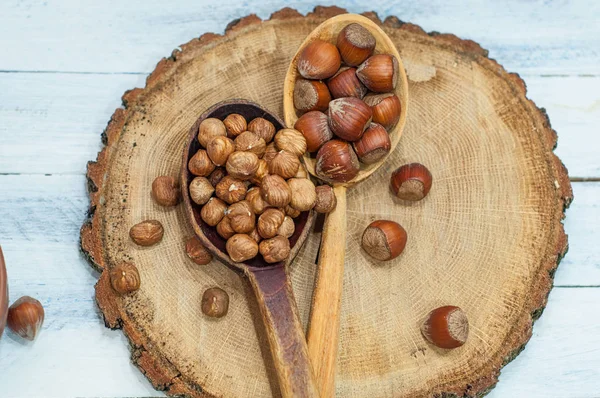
{"x": 269, "y": 281}
{"x": 3, "y": 293}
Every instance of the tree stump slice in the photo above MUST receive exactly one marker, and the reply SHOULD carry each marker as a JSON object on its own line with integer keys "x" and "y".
{"x": 487, "y": 238}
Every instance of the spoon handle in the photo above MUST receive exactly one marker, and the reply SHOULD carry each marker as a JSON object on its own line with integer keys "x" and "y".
{"x": 3, "y": 293}
{"x": 323, "y": 331}
{"x": 284, "y": 331}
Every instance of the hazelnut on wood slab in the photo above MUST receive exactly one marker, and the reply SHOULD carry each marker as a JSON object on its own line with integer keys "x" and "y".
{"x": 379, "y": 73}
{"x": 275, "y": 249}
{"x": 355, "y": 44}
{"x": 209, "y": 129}
{"x": 235, "y": 125}
{"x": 262, "y": 128}
{"x": 446, "y": 327}
{"x": 411, "y": 182}
{"x": 125, "y": 278}
{"x": 241, "y": 247}
{"x": 147, "y": 233}
{"x": 384, "y": 240}
{"x": 314, "y": 126}
{"x": 26, "y": 317}
{"x": 215, "y": 302}
{"x": 197, "y": 252}
{"x": 319, "y": 60}
{"x": 165, "y": 191}
{"x": 231, "y": 190}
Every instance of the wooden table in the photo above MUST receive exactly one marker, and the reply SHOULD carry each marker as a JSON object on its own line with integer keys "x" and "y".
{"x": 63, "y": 68}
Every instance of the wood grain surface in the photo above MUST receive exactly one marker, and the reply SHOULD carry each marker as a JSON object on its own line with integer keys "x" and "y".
{"x": 70, "y": 62}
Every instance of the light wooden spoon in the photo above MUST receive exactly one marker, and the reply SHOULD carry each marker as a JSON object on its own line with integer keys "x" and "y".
{"x": 323, "y": 329}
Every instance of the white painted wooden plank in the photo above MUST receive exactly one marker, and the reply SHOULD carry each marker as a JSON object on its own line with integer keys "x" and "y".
{"x": 51, "y": 123}
{"x": 115, "y": 36}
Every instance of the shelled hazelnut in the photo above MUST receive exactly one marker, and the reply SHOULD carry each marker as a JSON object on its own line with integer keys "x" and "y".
{"x": 262, "y": 128}
{"x": 147, "y": 233}
{"x": 231, "y": 190}
{"x": 201, "y": 190}
{"x": 270, "y": 152}
{"x": 304, "y": 195}
{"x": 326, "y": 200}
{"x": 216, "y": 176}
{"x": 165, "y": 191}
{"x": 125, "y": 278}
{"x": 242, "y": 165}
{"x": 287, "y": 227}
{"x": 213, "y": 211}
{"x": 269, "y": 222}
{"x": 446, "y": 327}
{"x": 291, "y": 212}
{"x": 250, "y": 142}
{"x": 275, "y": 191}
{"x": 290, "y": 140}
{"x": 200, "y": 164}
{"x": 197, "y": 252}
{"x": 215, "y": 302}
{"x": 235, "y": 125}
{"x": 257, "y": 203}
{"x": 255, "y": 235}
{"x": 261, "y": 171}
{"x": 384, "y": 240}
{"x": 411, "y": 182}
{"x": 241, "y": 247}
{"x": 241, "y": 217}
{"x": 275, "y": 249}
{"x": 224, "y": 228}
{"x": 284, "y": 164}
{"x": 209, "y": 129}
{"x": 219, "y": 149}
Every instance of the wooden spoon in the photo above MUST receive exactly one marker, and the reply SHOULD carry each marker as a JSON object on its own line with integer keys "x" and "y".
{"x": 270, "y": 282}
{"x": 3, "y": 293}
{"x": 324, "y": 321}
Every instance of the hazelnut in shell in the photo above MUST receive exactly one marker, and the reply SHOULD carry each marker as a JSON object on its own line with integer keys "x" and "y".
{"x": 235, "y": 124}
{"x": 216, "y": 176}
{"x": 200, "y": 164}
{"x": 250, "y": 142}
{"x": 262, "y": 128}
{"x": 287, "y": 227}
{"x": 209, "y": 129}
{"x": 241, "y": 247}
{"x": 384, "y": 240}
{"x": 147, "y": 233}
{"x": 311, "y": 95}
{"x": 26, "y": 317}
{"x": 284, "y": 164}
{"x": 319, "y": 60}
{"x": 314, "y": 126}
{"x": 197, "y": 252}
{"x": 336, "y": 162}
{"x": 231, "y": 190}
{"x": 446, "y": 327}
{"x": 386, "y": 108}
{"x": 349, "y": 117}
{"x": 411, "y": 182}
{"x": 125, "y": 278}
{"x": 241, "y": 217}
{"x": 242, "y": 165}
{"x": 379, "y": 73}
{"x": 374, "y": 144}
{"x": 269, "y": 222}
{"x": 355, "y": 44}
{"x": 201, "y": 190}
{"x": 219, "y": 149}
{"x": 213, "y": 211}
{"x": 304, "y": 195}
{"x": 224, "y": 228}
{"x": 275, "y": 249}
{"x": 215, "y": 302}
{"x": 290, "y": 140}
{"x": 165, "y": 191}
{"x": 257, "y": 203}
{"x": 326, "y": 200}
{"x": 275, "y": 191}
{"x": 345, "y": 84}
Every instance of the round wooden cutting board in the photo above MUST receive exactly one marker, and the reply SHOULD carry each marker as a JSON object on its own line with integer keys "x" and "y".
{"x": 487, "y": 238}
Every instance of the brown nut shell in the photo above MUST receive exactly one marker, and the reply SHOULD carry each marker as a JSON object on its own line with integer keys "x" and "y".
{"x": 355, "y": 44}
{"x": 262, "y": 128}
{"x": 25, "y": 317}
{"x": 411, "y": 182}
{"x": 349, "y": 117}
{"x": 311, "y": 95}
{"x": 231, "y": 190}
{"x": 386, "y": 109}
{"x": 275, "y": 191}
{"x": 326, "y": 200}
{"x": 241, "y": 247}
{"x": 384, "y": 240}
{"x": 446, "y": 327}
{"x": 125, "y": 278}
{"x": 319, "y": 60}
{"x": 209, "y": 129}
{"x": 165, "y": 191}
{"x": 314, "y": 126}
{"x": 147, "y": 233}
{"x": 379, "y": 73}
{"x": 200, "y": 164}
{"x": 275, "y": 249}
{"x": 215, "y": 302}
{"x": 336, "y": 162}
{"x": 235, "y": 124}
{"x": 374, "y": 144}
{"x": 345, "y": 83}
{"x": 197, "y": 252}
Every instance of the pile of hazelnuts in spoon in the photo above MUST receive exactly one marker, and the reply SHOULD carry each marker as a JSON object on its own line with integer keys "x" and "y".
{"x": 354, "y": 103}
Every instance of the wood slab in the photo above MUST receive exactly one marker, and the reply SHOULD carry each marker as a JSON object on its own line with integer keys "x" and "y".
{"x": 487, "y": 238}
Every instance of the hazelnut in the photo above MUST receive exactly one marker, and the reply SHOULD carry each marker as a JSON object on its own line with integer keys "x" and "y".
{"x": 290, "y": 140}
{"x": 26, "y": 317}
{"x": 250, "y": 142}
{"x": 213, "y": 211}
{"x": 355, "y": 44}
{"x": 255, "y": 235}
{"x": 270, "y": 152}
{"x": 284, "y": 164}
{"x": 349, "y": 117}
{"x": 241, "y": 247}
{"x": 290, "y": 211}
{"x": 319, "y": 60}
{"x": 219, "y": 149}
{"x": 124, "y": 278}
{"x": 446, "y": 327}
{"x": 235, "y": 125}
{"x": 346, "y": 84}
{"x": 311, "y": 95}
{"x": 263, "y": 170}
{"x": 242, "y": 165}
{"x": 216, "y": 176}
{"x": 224, "y": 228}
{"x": 231, "y": 190}
{"x": 287, "y": 227}
{"x": 275, "y": 249}
{"x": 257, "y": 203}
{"x": 201, "y": 190}
{"x": 411, "y": 182}
{"x": 386, "y": 108}
{"x": 209, "y": 129}
{"x": 215, "y": 302}
{"x": 269, "y": 222}
{"x": 303, "y": 194}
{"x": 275, "y": 191}
{"x": 302, "y": 172}
{"x": 336, "y": 162}
{"x": 241, "y": 217}
{"x": 384, "y": 240}
{"x": 165, "y": 191}
{"x": 379, "y": 73}
{"x": 314, "y": 126}
{"x": 200, "y": 164}
{"x": 197, "y": 252}
{"x": 326, "y": 200}
{"x": 262, "y": 128}
{"x": 374, "y": 145}
{"x": 147, "y": 233}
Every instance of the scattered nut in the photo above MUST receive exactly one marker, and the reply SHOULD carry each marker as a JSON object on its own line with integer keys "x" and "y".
{"x": 219, "y": 149}
{"x": 384, "y": 240}
{"x": 242, "y": 165}
{"x": 303, "y": 194}
{"x": 241, "y": 247}
{"x": 262, "y": 128}
{"x": 124, "y": 278}
{"x": 26, "y": 317}
{"x": 200, "y": 164}
{"x": 201, "y": 190}
{"x": 209, "y": 129}
{"x": 197, "y": 252}
{"x": 446, "y": 327}
{"x": 269, "y": 222}
{"x": 165, "y": 191}
{"x": 250, "y": 142}
{"x": 213, "y": 211}
{"x": 275, "y": 190}
{"x": 326, "y": 200}
{"x": 411, "y": 182}
{"x": 284, "y": 164}
{"x": 147, "y": 233}
{"x": 291, "y": 141}
{"x": 275, "y": 249}
{"x": 215, "y": 302}
{"x": 235, "y": 125}
{"x": 231, "y": 190}
{"x": 241, "y": 217}
{"x": 287, "y": 227}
